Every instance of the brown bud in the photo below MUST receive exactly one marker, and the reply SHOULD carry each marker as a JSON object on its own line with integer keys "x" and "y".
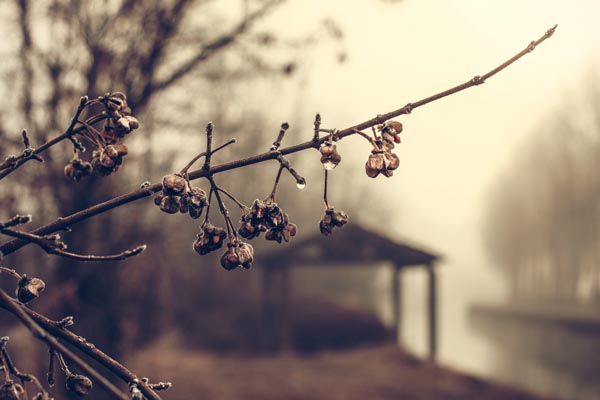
{"x": 78, "y": 384}
{"x": 325, "y": 228}
{"x": 133, "y": 122}
{"x": 238, "y": 255}
{"x": 158, "y": 198}
{"x": 330, "y": 158}
{"x": 121, "y": 149}
{"x": 8, "y": 391}
{"x": 394, "y": 128}
{"x": 174, "y": 185}
{"x": 184, "y": 205}
{"x": 339, "y": 218}
{"x": 196, "y": 199}
{"x": 209, "y": 238}
{"x": 332, "y": 219}
{"x": 77, "y": 169}
{"x": 111, "y": 151}
{"x": 170, "y": 204}
{"x": 29, "y": 288}
{"x": 392, "y": 161}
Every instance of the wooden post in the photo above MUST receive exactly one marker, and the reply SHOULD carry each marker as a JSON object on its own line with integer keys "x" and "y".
{"x": 285, "y": 309}
{"x": 432, "y": 308}
{"x": 397, "y": 303}
{"x": 268, "y": 336}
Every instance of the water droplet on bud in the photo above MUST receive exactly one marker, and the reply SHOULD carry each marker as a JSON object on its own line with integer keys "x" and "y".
{"x": 328, "y": 165}
{"x": 301, "y": 185}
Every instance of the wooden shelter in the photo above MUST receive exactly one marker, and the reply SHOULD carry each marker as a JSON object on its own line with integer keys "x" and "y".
{"x": 351, "y": 245}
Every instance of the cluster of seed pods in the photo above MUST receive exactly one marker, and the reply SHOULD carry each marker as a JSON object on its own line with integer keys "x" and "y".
{"x": 109, "y": 150}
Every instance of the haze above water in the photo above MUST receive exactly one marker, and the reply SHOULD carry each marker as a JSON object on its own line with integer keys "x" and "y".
{"x": 452, "y": 150}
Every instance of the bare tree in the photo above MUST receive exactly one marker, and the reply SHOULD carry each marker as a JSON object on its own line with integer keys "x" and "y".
{"x": 542, "y": 228}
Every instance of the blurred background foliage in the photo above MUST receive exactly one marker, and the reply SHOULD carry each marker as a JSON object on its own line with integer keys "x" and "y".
{"x": 542, "y": 226}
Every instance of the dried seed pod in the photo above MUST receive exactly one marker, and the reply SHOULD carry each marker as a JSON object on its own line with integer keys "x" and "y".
{"x": 394, "y": 128}
{"x": 325, "y": 228}
{"x": 248, "y": 231}
{"x": 381, "y": 162}
{"x": 238, "y": 254}
{"x": 339, "y": 218}
{"x": 174, "y": 185}
{"x": 197, "y": 200}
{"x": 8, "y": 391}
{"x": 29, "y": 288}
{"x": 78, "y": 384}
{"x": 77, "y": 169}
{"x": 158, "y": 198}
{"x": 332, "y": 219}
{"x": 374, "y": 164}
{"x": 133, "y": 122}
{"x": 392, "y": 161}
{"x": 330, "y": 158}
{"x": 209, "y": 238}
{"x": 170, "y": 204}
{"x": 184, "y": 205}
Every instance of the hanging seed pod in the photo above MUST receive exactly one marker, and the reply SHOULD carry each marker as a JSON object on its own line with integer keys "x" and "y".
{"x": 238, "y": 255}
{"x": 174, "y": 185}
{"x": 248, "y": 231}
{"x": 375, "y": 163}
{"x": 170, "y": 204}
{"x": 393, "y": 128}
{"x": 77, "y": 169}
{"x": 184, "y": 205}
{"x": 158, "y": 198}
{"x": 330, "y": 158}
{"x": 392, "y": 161}
{"x": 197, "y": 200}
{"x": 78, "y": 384}
{"x": 29, "y": 288}
{"x": 332, "y": 219}
{"x": 209, "y": 238}
{"x": 8, "y": 391}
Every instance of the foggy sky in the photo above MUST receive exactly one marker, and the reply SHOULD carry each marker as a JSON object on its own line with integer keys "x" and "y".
{"x": 452, "y": 150}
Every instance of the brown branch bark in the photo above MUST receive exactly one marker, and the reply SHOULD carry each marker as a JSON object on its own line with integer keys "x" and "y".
{"x": 64, "y": 222}
{"x": 18, "y": 310}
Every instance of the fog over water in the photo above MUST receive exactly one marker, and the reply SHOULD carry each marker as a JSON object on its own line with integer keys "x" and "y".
{"x": 452, "y": 150}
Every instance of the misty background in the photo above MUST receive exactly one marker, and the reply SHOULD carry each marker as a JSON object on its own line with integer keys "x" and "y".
{"x": 472, "y": 165}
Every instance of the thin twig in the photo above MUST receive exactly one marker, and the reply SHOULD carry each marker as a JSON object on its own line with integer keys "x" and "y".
{"x": 317, "y": 127}
{"x": 231, "y": 231}
{"x": 209, "y": 135}
{"x": 57, "y": 247}
{"x": 199, "y": 156}
{"x": 10, "y": 272}
{"x": 368, "y": 138}
{"x": 284, "y": 127}
{"x": 19, "y": 311}
{"x": 12, "y": 368}
{"x": 26, "y": 156}
{"x": 54, "y": 328}
{"x": 325, "y": 190}
{"x": 64, "y": 222}
{"x": 236, "y": 201}
{"x": 272, "y": 195}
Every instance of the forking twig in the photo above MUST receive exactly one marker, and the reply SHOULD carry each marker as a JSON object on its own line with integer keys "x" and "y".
{"x": 62, "y": 223}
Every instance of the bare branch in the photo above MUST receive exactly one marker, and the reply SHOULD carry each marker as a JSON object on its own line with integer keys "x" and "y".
{"x": 11, "y": 165}
{"x": 53, "y": 245}
{"x": 65, "y": 222}
{"x": 18, "y": 310}
{"x": 54, "y": 328}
